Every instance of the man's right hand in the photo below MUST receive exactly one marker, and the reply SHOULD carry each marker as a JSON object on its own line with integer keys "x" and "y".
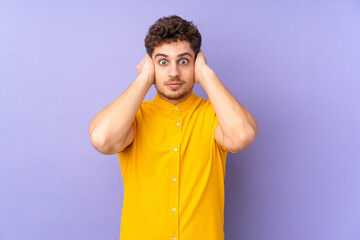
{"x": 146, "y": 67}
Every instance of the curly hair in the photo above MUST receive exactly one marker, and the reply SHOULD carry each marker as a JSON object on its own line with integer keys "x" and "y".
{"x": 170, "y": 29}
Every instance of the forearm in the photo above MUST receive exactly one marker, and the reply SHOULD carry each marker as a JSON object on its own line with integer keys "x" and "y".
{"x": 111, "y": 125}
{"x": 234, "y": 119}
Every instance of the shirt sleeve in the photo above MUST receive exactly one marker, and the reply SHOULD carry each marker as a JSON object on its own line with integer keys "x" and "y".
{"x": 216, "y": 122}
{"x": 134, "y": 126}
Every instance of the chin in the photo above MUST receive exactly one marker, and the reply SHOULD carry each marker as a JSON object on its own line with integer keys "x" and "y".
{"x": 174, "y": 95}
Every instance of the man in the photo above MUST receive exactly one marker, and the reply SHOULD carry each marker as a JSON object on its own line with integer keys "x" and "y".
{"x": 172, "y": 150}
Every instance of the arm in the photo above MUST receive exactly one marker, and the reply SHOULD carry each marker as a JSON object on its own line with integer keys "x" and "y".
{"x": 111, "y": 129}
{"x": 237, "y": 128}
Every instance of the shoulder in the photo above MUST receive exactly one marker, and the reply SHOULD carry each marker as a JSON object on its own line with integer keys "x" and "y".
{"x": 205, "y": 106}
{"x": 146, "y": 104}
{"x": 145, "y": 107}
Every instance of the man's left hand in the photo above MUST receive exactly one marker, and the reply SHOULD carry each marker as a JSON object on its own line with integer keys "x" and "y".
{"x": 200, "y": 66}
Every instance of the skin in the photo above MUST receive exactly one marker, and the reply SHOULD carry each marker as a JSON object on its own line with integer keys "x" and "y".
{"x": 174, "y": 71}
{"x": 174, "y": 63}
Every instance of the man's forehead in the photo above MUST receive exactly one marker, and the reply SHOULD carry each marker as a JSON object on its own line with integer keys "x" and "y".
{"x": 173, "y": 49}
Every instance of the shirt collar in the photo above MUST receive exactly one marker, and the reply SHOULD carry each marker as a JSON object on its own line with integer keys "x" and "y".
{"x": 181, "y": 106}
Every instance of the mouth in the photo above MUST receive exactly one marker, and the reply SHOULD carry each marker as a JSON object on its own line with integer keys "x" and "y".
{"x": 174, "y": 84}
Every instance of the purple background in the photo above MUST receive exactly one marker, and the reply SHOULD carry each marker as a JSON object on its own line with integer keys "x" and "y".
{"x": 294, "y": 65}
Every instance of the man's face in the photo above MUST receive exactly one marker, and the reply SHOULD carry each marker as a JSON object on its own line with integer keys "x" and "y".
{"x": 174, "y": 65}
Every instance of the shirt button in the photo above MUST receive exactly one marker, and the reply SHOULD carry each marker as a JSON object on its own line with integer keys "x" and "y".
{"x": 176, "y": 108}
{"x": 174, "y": 209}
{"x": 174, "y": 238}
{"x": 178, "y": 124}
{"x": 175, "y": 149}
{"x": 174, "y": 179}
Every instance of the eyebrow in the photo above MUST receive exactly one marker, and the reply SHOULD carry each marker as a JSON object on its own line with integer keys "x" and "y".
{"x": 180, "y": 55}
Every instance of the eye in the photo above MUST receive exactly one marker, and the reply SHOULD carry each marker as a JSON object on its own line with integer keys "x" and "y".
{"x": 183, "y": 61}
{"x": 163, "y": 62}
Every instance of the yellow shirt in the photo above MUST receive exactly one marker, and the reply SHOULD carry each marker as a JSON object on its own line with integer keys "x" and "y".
{"x": 173, "y": 173}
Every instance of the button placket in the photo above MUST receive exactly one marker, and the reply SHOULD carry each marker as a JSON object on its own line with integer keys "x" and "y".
{"x": 175, "y": 167}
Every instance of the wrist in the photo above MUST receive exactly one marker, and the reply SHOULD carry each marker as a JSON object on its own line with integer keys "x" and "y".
{"x": 147, "y": 78}
{"x": 203, "y": 73}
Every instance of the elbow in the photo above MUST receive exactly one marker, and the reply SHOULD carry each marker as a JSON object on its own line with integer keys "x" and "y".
{"x": 243, "y": 141}
{"x": 104, "y": 145}
{"x": 98, "y": 141}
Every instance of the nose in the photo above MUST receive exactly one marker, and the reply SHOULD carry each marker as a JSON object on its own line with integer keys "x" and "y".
{"x": 174, "y": 71}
